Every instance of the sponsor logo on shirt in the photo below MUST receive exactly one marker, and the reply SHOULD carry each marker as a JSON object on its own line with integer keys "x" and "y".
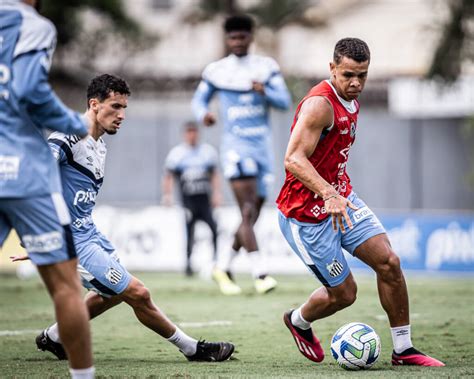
{"x": 9, "y": 167}
{"x": 317, "y": 210}
{"x": 245, "y": 111}
{"x": 353, "y": 129}
{"x": 87, "y": 197}
{"x": 80, "y": 222}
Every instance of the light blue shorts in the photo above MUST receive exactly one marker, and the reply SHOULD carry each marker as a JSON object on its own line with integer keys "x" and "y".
{"x": 42, "y": 224}
{"x": 100, "y": 268}
{"x": 320, "y": 247}
{"x": 240, "y": 162}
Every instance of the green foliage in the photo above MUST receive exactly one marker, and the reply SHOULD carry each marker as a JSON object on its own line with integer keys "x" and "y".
{"x": 270, "y": 13}
{"x": 441, "y": 325}
{"x": 65, "y": 16}
{"x": 275, "y": 14}
{"x": 456, "y": 43}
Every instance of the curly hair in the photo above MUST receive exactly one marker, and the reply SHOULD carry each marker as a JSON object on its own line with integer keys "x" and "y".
{"x": 353, "y": 48}
{"x": 101, "y": 86}
{"x": 238, "y": 23}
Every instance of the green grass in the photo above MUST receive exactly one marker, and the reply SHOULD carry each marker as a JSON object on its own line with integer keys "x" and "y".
{"x": 442, "y": 325}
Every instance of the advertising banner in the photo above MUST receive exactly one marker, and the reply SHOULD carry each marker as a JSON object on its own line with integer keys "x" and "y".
{"x": 153, "y": 238}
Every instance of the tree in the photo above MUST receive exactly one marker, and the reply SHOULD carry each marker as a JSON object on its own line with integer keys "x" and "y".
{"x": 87, "y": 43}
{"x": 456, "y": 44}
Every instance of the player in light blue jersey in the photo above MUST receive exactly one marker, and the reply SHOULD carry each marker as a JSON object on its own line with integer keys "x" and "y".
{"x": 30, "y": 190}
{"x": 247, "y": 86}
{"x": 82, "y": 163}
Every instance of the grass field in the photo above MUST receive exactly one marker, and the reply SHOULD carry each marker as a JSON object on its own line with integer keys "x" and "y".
{"x": 442, "y": 325}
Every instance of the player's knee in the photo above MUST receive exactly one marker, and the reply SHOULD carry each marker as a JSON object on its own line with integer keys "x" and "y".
{"x": 137, "y": 292}
{"x": 389, "y": 269}
{"x": 344, "y": 296}
{"x": 248, "y": 212}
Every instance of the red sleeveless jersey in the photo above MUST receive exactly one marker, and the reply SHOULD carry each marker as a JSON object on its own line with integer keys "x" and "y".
{"x": 329, "y": 159}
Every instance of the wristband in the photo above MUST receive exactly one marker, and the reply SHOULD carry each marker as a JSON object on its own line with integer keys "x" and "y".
{"x": 330, "y": 197}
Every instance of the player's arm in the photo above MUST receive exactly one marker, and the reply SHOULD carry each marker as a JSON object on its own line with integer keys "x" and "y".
{"x": 275, "y": 91}
{"x": 216, "y": 199}
{"x": 167, "y": 188}
{"x": 44, "y": 108}
{"x": 315, "y": 115}
{"x": 200, "y": 103}
{"x": 19, "y": 258}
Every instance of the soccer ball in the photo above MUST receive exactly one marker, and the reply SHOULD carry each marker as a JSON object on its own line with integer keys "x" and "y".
{"x": 355, "y": 346}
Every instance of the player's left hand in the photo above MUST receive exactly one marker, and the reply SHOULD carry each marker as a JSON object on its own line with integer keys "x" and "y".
{"x": 336, "y": 207}
{"x": 17, "y": 258}
{"x": 258, "y": 87}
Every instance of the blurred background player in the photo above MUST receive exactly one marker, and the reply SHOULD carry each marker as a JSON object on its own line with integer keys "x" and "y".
{"x": 194, "y": 166}
{"x": 320, "y": 214}
{"x": 30, "y": 193}
{"x": 247, "y": 85}
{"x": 82, "y": 164}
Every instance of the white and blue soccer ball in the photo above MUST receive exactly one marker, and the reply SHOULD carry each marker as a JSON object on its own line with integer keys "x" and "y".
{"x": 355, "y": 346}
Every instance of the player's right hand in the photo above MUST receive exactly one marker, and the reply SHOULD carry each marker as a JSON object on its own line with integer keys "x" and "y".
{"x": 209, "y": 119}
{"x": 336, "y": 207}
{"x": 17, "y": 258}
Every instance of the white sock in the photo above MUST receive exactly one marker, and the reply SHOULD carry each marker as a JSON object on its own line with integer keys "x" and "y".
{"x": 82, "y": 373}
{"x": 225, "y": 263}
{"x": 298, "y": 320}
{"x": 185, "y": 343}
{"x": 401, "y": 337}
{"x": 259, "y": 266}
{"x": 53, "y": 333}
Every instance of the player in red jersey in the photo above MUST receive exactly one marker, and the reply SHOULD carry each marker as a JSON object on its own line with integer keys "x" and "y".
{"x": 320, "y": 214}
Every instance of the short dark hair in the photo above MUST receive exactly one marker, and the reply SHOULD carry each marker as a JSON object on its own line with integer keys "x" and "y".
{"x": 353, "y": 48}
{"x": 101, "y": 86}
{"x": 190, "y": 125}
{"x": 238, "y": 23}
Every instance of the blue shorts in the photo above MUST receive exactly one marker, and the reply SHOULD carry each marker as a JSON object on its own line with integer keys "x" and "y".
{"x": 100, "y": 268}
{"x": 42, "y": 224}
{"x": 320, "y": 247}
{"x": 244, "y": 162}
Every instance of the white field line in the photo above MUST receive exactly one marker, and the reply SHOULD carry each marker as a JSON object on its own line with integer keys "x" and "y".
{"x": 7, "y": 333}
{"x": 204, "y": 324}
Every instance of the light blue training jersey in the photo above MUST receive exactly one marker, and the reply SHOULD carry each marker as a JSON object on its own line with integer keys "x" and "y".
{"x": 243, "y": 112}
{"x": 27, "y": 103}
{"x": 81, "y": 164}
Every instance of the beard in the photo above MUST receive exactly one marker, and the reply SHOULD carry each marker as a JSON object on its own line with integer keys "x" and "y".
{"x": 111, "y": 131}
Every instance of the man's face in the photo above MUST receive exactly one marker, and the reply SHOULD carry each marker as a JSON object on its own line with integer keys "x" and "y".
{"x": 191, "y": 136}
{"x": 111, "y": 112}
{"x": 348, "y": 77}
{"x": 238, "y": 42}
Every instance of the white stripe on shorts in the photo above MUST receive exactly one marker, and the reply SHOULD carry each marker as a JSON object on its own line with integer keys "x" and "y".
{"x": 84, "y": 273}
{"x": 295, "y": 232}
{"x": 61, "y": 208}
